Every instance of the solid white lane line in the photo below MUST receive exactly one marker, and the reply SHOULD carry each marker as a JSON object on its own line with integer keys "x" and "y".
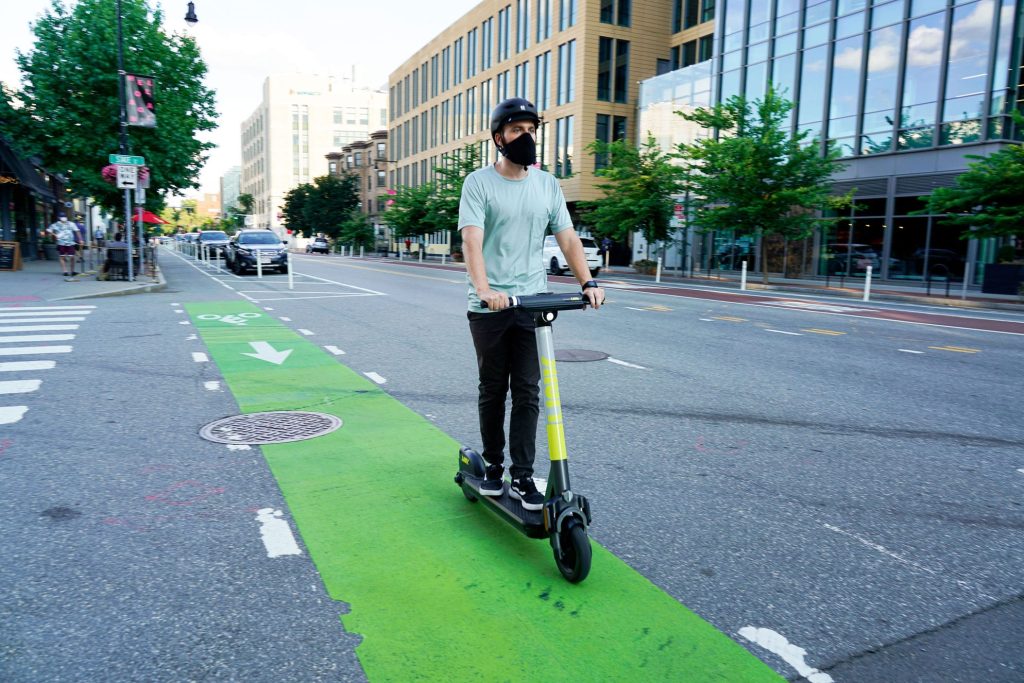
{"x": 335, "y": 350}
{"x": 276, "y": 533}
{"x": 12, "y": 313}
{"x": 306, "y": 332}
{"x": 882, "y": 549}
{"x": 212, "y": 386}
{"x": 36, "y": 337}
{"x": 790, "y": 653}
{"x": 37, "y": 328}
{"x": 910, "y": 351}
{"x": 20, "y": 386}
{"x": 792, "y": 334}
{"x": 21, "y": 366}
{"x": 6, "y": 321}
{"x": 18, "y": 309}
{"x": 628, "y": 365}
{"x": 375, "y": 377}
{"x": 199, "y": 357}
{"x": 11, "y": 414}
{"x": 635, "y": 309}
{"x": 33, "y": 350}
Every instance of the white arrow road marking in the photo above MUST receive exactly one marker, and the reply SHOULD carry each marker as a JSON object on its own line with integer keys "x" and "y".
{"x": 628, "y": 365}
{"x": 375, "y": 377}
{"x": 265, "y": 351}
{"x": 11, "y": 414}
{"x": 790, "y": 653}
{"x": 19, "y": 366}
{"x": 335, "y": 350}
{"x": 277, "y": 535}
{"x": 33, "y": 350}
{"x": 21, "y": 386}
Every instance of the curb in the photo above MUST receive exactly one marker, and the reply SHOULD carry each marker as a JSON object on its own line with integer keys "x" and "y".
{"x": 145, "y": 288}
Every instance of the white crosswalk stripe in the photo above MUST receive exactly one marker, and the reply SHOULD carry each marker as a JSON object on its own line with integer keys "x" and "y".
{"x": 15, "y": 321}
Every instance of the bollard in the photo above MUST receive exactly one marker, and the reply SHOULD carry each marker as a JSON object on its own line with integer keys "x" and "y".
{"x": 607, "y": 260}
{"x": 743, "y": 276}
{"x": 400, "y": 255}
{"x": 360, "y": 251}
{"x": 867, "y": 285}
{"x": 443, "y": 255}
{"x": 259, "y": 263}
{"x": 421, "y": 256}
{"x": 967, "y": 277}
{"x": 291, "y": 283}
{"x": 657, "y": 277}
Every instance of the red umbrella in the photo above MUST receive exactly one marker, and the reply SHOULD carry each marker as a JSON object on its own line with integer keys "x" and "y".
{"x": 149, "y": 217}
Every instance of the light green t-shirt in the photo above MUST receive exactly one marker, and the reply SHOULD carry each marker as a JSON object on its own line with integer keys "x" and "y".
{"x": 514, "y": 215}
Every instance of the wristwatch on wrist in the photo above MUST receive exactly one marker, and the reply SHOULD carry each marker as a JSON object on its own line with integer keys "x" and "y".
{"x": 590, "y": 284}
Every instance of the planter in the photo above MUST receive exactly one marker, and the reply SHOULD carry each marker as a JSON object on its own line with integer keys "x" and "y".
{"x": 1002, "y": 278}
{"x": 50, "y": 251}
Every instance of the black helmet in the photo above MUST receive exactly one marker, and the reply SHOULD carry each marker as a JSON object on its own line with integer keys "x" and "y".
{"x": 513, "y": 109}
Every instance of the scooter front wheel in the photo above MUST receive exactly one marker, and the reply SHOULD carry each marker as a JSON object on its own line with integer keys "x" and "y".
{"x": 574, "y": 562}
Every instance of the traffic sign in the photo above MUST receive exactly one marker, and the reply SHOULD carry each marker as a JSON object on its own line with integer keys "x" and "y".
{"x": 127, "y": 177}
{"x": 126, "y": 160}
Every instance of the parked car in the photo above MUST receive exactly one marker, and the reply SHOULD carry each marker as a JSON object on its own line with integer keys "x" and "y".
{"x": 851, "y": 258}
{"x": 246, "y": 246}
{"x": 318, "y": 245}
{"x": 555, "y": 259}
{"x": 213, "y": 241}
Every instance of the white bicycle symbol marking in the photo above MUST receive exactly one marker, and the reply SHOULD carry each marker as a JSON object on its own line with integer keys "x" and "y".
{"x": 231, "y": 318}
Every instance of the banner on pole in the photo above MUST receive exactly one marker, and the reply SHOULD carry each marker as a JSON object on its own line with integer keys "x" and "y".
{"x": 139, "y": 100}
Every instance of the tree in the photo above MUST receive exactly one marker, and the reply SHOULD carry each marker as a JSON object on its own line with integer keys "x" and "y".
{"x": 753, "y": 177}
{"x": 246, "y": 203}
{"x": 321, "y": 206}
{"x": 67, "y": 111}
{"x": 410, "y": 212}
{"x": 356, "y": 230}
{"x": 988, "y": 197}
{"x": 639, "y": 185}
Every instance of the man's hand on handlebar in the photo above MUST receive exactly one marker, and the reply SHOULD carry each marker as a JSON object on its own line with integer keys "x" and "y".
{"x": 494, "y": 300}
{"x": 595, "y": 295}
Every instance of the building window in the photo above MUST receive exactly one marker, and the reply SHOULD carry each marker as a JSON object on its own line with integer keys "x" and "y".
{"x": 485, "y": 105}
{"x": 704, "y": 45}
{"x": 613, "y": 76}
{"x": 563, "y": 147}
{"x": 567, "y": 16}
{"x": 609, "y": 129}
{"x": 522, "y": 25}
{"x": 457, "y": 117}
{"x": 523, "y": 80}
{"x": 616, "y": 12}
{"x": 543, "y": 20}
{"x": 382, "y": 150}
{"x": 471, "y": 111}
{"x": 542, "y": 81}
{"x": 446, "y": 68}
{"x": 504, "y": 32}
{"x": 566, "y": 72}
{"x": 358, "y": 159}
{"x": 433, "y": 76}
{"x": 707, "y": 10}
{"x": 501, "y": 86}
{"x": 445, "y": 121}
{"x": 471, "y": 40}
{"x": 457, "y": 63}
{"x": 487, "y": 44}
{"x": 381, "y": 179}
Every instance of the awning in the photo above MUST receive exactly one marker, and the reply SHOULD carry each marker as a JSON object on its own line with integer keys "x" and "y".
{"x": 22, "y": 172}
{"x": 148, "y": 217}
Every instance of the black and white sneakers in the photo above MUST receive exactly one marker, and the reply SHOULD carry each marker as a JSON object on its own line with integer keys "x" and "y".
{"x": 492, "y": 485}
{"x": 526, "y": 491}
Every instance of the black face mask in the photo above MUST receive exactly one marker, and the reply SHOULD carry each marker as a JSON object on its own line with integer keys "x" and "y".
{"x": 522, "y": 151}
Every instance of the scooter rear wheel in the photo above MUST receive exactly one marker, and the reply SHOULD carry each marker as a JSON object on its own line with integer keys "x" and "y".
{"x": 575, "y": 545}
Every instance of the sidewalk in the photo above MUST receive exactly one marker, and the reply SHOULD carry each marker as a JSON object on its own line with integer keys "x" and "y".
{"x": 41, "y": 281}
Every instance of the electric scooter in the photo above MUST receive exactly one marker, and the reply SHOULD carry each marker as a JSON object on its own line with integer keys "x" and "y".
{"x": 566, "y": 515}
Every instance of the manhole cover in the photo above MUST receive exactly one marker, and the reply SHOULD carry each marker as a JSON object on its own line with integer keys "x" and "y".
{"x": 274, "y": 427}
{"x": 579, "y": 355}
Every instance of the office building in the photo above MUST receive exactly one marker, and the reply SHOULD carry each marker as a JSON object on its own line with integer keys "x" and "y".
{"x": 579, "y": 63}
{"x": 230, "y": 188}
{"x": 906, "y": 89}
{"x": 302, "y": 117}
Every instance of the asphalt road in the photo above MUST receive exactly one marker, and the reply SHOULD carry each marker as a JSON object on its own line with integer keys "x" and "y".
{"x": 843, "y": 482}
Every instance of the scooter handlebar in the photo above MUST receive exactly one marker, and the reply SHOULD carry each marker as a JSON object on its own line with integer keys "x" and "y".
{"x": 569, "y": 301}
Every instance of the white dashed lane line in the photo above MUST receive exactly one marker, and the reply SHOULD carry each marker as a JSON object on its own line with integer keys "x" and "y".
{"x": 375, "y": 377}
{"x": 335, "y": 350}
{"x": 199, "y": 357}
{"x": 792, "y": 334}
{"x": 306, "y": 332}
{"x": 624, "y": 363}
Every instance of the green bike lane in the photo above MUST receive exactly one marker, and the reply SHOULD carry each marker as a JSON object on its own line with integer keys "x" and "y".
{"x": 437, "y": 587}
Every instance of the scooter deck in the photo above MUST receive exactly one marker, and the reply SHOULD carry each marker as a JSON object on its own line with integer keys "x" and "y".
{"x": 511, "y": 509}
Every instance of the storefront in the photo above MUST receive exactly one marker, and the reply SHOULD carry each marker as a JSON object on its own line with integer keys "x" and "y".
{"x": 28, "y": 199}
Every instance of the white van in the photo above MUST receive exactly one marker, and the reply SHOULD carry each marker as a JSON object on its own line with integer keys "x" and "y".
{"x": 555, "y": 259}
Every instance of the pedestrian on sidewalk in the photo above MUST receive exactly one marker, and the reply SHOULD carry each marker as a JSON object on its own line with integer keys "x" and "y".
{"x": 68, "y": 236}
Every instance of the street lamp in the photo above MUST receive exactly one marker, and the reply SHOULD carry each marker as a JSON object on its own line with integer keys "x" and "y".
{"x": 190, "y": 17}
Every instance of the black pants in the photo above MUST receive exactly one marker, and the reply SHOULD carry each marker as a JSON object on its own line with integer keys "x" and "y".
{"x": 506, "y": 355}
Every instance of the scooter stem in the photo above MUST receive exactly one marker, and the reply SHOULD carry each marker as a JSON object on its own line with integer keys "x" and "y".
{"x": 558, "y": 480}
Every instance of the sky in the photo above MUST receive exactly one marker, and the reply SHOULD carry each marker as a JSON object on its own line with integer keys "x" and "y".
{"x": 243, "y": 41}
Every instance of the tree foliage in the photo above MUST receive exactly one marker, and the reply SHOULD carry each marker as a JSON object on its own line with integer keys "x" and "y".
{"x": 409, "y": 213}
{"x": 67, "y": 111}
{"x": 988, "y": 197}
{"x": 753, "y": 177}
{"x": 639, "y": 185}
{"x": 321, "y": 206}
{"x": 356, "y": 230}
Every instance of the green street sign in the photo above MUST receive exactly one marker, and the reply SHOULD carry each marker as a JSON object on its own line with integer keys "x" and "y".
{"x": 127, "y": 160}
